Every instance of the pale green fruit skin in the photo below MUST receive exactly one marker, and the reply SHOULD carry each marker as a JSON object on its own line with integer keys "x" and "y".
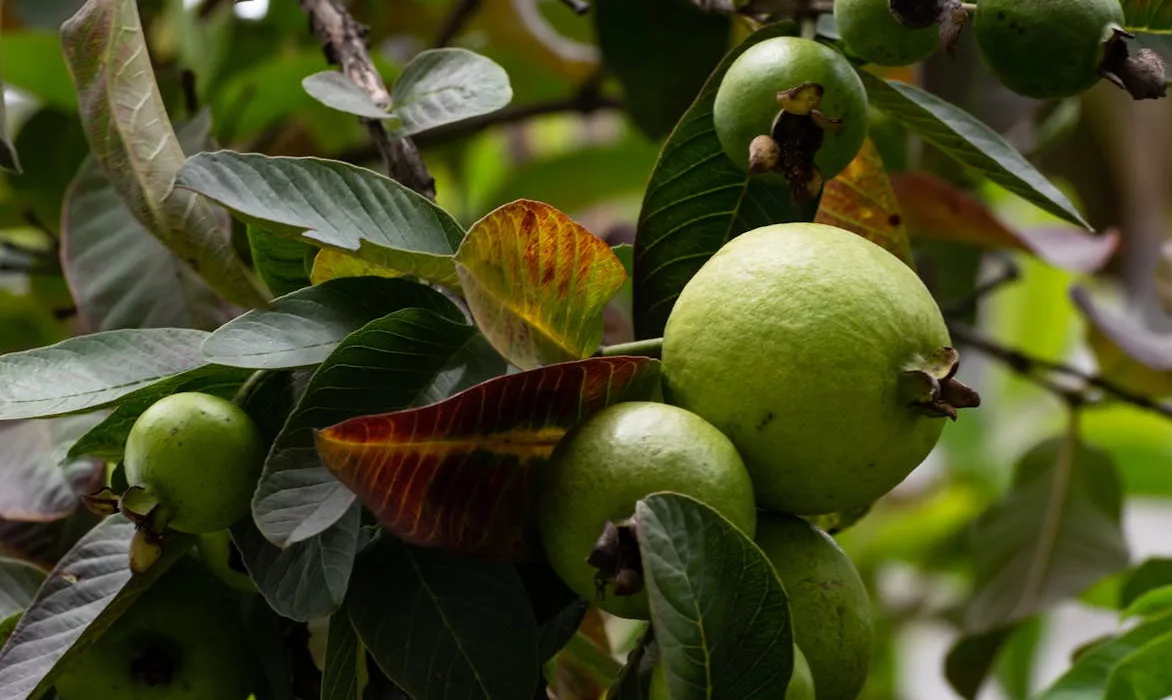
{"x": 872, "y": 33}
{"x": 200, "y": 455}
{"x": 746, "y": 101}
{"x": 793, "y": 340}
{"x": 829, "y": 605}
{"x": 196, "y": 616}
{"x": 617, "y": 457}
{"x": 215, "y": 552}
{"x": 1045, "y": 49}
{"x": 801, "y": 683}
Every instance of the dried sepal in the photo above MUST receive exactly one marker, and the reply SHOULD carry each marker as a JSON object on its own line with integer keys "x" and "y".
{"x": 933, "y": 389}
{"x": 618, "y": 560}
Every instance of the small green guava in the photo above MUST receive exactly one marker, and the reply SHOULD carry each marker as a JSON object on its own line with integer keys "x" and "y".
{"x": 824, "y": 359}
{"x": 803, "y": 95}
{"x": 183, "y": 639}
{"x": 872, "y": 33}
{"x": 598, "y": 471}
{"x": 200, "y": 456}
{"x": 1046, "y": 49}
{"x": 220, "y": 555}
{"x": 829, "y": 606}
{"x": 801, "y": 683}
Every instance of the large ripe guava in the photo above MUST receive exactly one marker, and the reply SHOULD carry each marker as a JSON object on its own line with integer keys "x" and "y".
{"x": 800, "y": 687}
{"x": 183, "y": 639}
{"x": 1046, "y": 48}
{"x": 823, "y": 358}
{"x": 200, "y": 456}
{"x": 615, "y": 458}
{"x": 871, "y": 32}
{"x": 829, "y": 123}
{"x": 829, "y": 606}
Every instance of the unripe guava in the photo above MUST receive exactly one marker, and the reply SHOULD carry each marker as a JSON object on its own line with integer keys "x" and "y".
{"x": 183, "y": 639}
{"x": 611, "y": 460}
{"x": 747, "y": 104}
{"x": 807, "y": 344}
{"x": 1045, "y": 48}
{"x": 829, "y": 606}
{"x": 801, "y": 683}
{"x": 200, "y": 456}
{"x": 872, "y": 33}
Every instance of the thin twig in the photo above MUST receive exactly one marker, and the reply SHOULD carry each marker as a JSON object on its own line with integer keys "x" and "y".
{"x": 344, "y": 43}
{"x": 461, "y": 12}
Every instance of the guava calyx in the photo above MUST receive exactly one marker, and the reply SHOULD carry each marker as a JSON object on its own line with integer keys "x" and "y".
{"x": 617, "y": 558}
{"x": 919, "y": 14}
{"x": 795, "y": 138}
{"x": 1142, "y": 75}
{"x": 934, "y": 390}
{"x": 102, "y": 502}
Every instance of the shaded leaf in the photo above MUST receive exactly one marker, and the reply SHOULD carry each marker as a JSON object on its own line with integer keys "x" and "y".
{"x": 634, "y": 680}
{"x": 87, "y": 590}
{"x": 536, "y": 283}
{"x": 418, "y": 610}
{"x": 384, "y": 366}
{"x": 720, "y": 614}
{"x": 345, "y": 665}
{"x": 557, "y": 631}
{"x": 659, "y": 72}
{"x": 331, "y": 264}
{"x": 934, "y": 208}
{"x": 90, "y": 371}
{"x": 1152, "y": 602}
{"x": 336, "y": 90}
{"x": 39, "y": 484}
{"x": 329, "y": 203}
{"x": 1144, "y": 673}
{"x": 860, "y": 199}
{"x": 1154, "y": 16}
{"x": 971, "y": 658}
{"x": 107, "y": 439}
{"x": 1128, "y": 352}
{"x": 304, "y": 327}
{"x": 1152, "y": 573}
{"x": 57, "y": 139}
{"x": 131, "y": 136}
{"x": 9, "y": 160}
{"x": 968, "y": 140}
{"x": 19, "y": 582}
{"x": 44, "y": 543}
{"x": 281, "y": 263}
{"x": 1088, "y": 678}
{"x": 698, "y": 200}
{"x": 458, "y": 474}
{"x": 441, "y": 86}
{"x": 1056, "y": 532}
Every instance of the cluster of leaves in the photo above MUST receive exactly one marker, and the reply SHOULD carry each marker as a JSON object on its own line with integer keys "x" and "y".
{"x": 410, "y": 371}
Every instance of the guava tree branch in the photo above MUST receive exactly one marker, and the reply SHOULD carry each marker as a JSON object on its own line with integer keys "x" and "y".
{"x": 461, "y": 12}
{"x": 1041, "y": 371}
{"x": 344, "y": 43}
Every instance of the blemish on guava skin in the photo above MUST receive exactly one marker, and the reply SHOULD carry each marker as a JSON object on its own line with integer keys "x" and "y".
{"x": 765, "y": 421}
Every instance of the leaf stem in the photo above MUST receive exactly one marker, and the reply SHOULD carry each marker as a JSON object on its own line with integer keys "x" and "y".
{"x": 652, "y": 347}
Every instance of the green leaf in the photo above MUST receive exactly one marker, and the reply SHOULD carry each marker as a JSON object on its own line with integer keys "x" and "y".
{"x": 384, "y": 366}
{"x": 441, "y": 86}
{"x": 698, "y": 200}
{"x": 662, "y": 70}
{"x": 720, "y": 615}
{"x": 345, "y": 661}
{"x": 107, "y": 440}
{"x": 1150, "y": 603}
{"x": 34, "y": 63}
{"x": 305, "y": 580}
{"x": 1153, "y": 16}
{"x": 131, "y": 136}
{"x": 282, "y": 263}
{"x": 9, "y": 159}
{"x": 57, "y": 139}
{"x": 91, "y": 371}
{"x": 19, "y": 582}
{"x": 1090, "y": 675}
{"x": 422, "y": 609}
{"x": 971, "y": 658}
{"x": 969, "y": 141}
{"x": 88, "y": 589}
{"x": 1152, "y": 573}
{"x": 39, "y": 484}
{"x": 1144, "y": 673}
{"x": 329, "y": 203}
{"x": 337, "y": 91}
{"x": 303, "y": 328}
{"x": 1056, "y": 532}
{"x": 556, "y": 632}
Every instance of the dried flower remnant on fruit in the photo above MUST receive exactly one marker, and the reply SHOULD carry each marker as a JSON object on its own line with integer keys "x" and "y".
{"x": 617, "y": 558}
{"x": 934, "y": 389}
{"x": 919, "y": 14}
{"x": 796, "y": 136}
{"x": 1142, "y": 75}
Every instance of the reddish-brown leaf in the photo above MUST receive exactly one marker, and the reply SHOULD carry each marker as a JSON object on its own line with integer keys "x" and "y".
{"x": 537, "y": 283}
{"x": 860, "y": 199}
{"x": 458, "y": 474}
{"x": 933, "y": 208}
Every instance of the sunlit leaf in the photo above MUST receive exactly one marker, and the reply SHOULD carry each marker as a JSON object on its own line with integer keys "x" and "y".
{"x": 860, "y": 199}
{"x": 331, "y": 264}
{"x": 1090, "y": 675}
{"x": 131, "y": 136}
{"x": 336, "y": 90}
{"x": 933, "y": 208}
{"x": 440, "y": 86}
{"x": 459, "y": 473}
{"x": 33, "y": 62}
{"x": 1152, "y": 602}
{"x": 537, "y": 282}
{"x": 1155, "y": 572}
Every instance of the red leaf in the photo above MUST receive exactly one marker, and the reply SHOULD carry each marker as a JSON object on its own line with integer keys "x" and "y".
{"x": 458, "y": 473}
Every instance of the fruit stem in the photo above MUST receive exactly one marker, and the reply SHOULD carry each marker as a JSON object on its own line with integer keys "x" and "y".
{"x": 969, "y": 7}
{"x": 652, "y": 347}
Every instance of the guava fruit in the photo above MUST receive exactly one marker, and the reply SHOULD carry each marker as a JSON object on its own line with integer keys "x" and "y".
{"x": 791, "y": 106}
{"x": 586, "y": 494}
{"x": 220, "y": 556}
{"x": 801, "y": 683}
{"x": 823, "y": 358}
{"x": 829, "y": 606}
{"x": 872, "y": 33}
{"x": 183, "y": 639}
{"x": 200, "y": 456}
{"x": 1046, "y": 48}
